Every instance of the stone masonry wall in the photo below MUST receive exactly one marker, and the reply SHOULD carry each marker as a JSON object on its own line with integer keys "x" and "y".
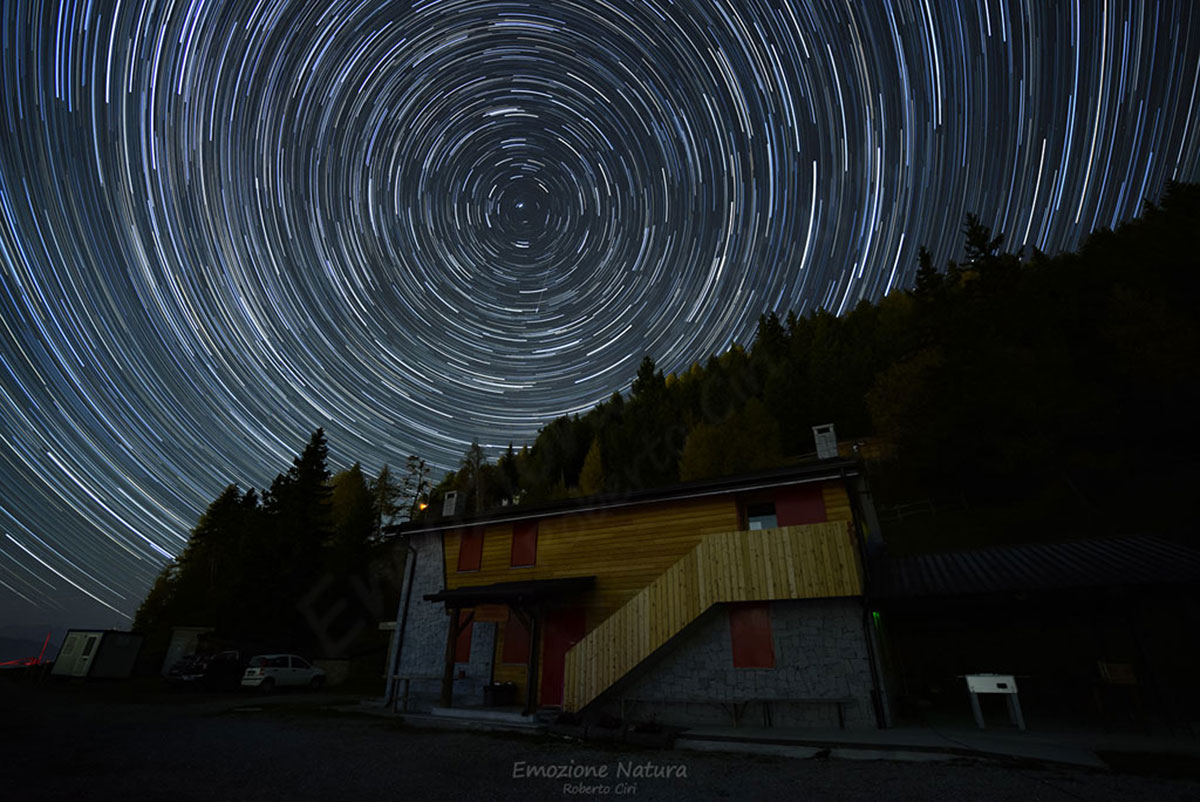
{"x": 468, "y": 689}
{"x": 424, "y": 645}
{"x": 424, "y": 648}
{"x": 820, "y": 653}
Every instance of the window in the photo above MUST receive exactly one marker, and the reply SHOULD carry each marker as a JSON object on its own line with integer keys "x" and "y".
{"x": 299, "y": 662}
{"x": 750, "y": 635}
{"x": 470, "y": 549}
{"x": 516, "y": 641}
{"x": 524, "y": 544}
{"x": 462, "y": 646}
{"x": 761, "y": 516}
{"x": 803, "y": 504}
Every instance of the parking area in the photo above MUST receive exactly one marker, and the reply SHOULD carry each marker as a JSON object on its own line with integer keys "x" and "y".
{"x": 96, "y": 743}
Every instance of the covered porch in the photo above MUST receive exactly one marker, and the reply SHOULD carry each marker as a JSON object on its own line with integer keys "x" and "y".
{"x": 547, "y": 609}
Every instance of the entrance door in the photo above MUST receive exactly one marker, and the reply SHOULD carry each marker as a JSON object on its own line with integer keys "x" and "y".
{"x": 85, "y": 657}
{"x": 564, "y": 628}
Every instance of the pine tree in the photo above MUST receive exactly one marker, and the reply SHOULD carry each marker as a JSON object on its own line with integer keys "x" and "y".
{"x": 415, "y": 487}
{"x": 354, "y": 518}
{"x": 591, "y": 478}
{"x": 929, "y": 280}
{"x": 472, "y": 468}
{"x": 770, "y": 339}
{"x": 981, "y": 247}
{"x": 386, "y": 493}
{"x": 649, "y": 381}
{"x": 509, "y": 474}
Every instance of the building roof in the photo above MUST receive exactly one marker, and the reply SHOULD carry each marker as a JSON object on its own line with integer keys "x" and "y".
{"x": 813, "y": 471}
{"x": 530, "y": 590}
{"x": 1137, "y": 560}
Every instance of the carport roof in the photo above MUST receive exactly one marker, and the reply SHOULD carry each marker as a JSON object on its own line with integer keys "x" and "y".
{"x": 1136, "y": 560}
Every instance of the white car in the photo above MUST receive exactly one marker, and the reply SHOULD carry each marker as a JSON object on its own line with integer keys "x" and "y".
{"x": 269, "y": 671}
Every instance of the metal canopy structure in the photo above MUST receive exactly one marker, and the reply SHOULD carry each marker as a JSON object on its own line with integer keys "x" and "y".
{"x": 527, "y": 592}
{"x": 1108, "y": 562}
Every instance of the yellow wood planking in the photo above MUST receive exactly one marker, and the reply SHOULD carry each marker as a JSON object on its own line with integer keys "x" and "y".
{"x": 790, "y": 566}
{"x": 837, "y": 502}
{"x": 660, "y": 565}
{"x": 625, "y": 548}
{"x": 491, "y": 613}
{"x": 811, "y": 561}
{"x": 508, "y": 672}
{"x": 774, "y": 562}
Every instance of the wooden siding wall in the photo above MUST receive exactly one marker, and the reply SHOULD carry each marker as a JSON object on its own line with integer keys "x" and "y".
{"x": 625, "y": 549}
{"x": 795, "y": 562}
{"x": 837, "y": 502}
{"x": 509, "y": 672}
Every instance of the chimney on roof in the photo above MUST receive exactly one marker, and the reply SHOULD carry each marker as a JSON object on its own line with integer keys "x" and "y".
{"x": 826, "y": 441}
{"x": 452, "y": 504}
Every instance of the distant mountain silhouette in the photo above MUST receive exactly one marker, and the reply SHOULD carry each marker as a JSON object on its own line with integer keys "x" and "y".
{"x": 21, "y": 648}
{"x": 20, "y": 641}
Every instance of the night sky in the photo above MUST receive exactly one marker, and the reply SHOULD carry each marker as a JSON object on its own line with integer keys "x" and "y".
{"x": 224, "y": 224}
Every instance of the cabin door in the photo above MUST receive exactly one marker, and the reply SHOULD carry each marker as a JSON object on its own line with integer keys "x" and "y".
{"x": 564, "y": 628}
{"x": 85, "y": 657}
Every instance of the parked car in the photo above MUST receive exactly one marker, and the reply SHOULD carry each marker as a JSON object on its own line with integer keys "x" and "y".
{"x": 269, "y": 671}
{"x": 222, "y": 670}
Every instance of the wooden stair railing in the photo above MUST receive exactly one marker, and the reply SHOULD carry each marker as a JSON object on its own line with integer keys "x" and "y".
{"x": 792, "y": 562}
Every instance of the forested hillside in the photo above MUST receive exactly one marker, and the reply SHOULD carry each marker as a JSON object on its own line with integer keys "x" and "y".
{"x": 1017, "y": 397}
{"x": 1051, "y": 391}
{"x": 302, "y": 567}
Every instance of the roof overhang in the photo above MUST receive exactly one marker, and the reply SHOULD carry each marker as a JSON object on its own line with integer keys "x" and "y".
{"x": 529, "y": 591}
{"x": 821, "y": 471}
{"x": 1138, "y": 560}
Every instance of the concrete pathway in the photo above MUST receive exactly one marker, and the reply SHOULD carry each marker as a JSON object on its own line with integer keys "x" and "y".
{"x": 1070, "y": 748}
{"x": 908, "y": 743}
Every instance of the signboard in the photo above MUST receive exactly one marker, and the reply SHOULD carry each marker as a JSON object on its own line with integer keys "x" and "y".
{"x": 991, "y": 683}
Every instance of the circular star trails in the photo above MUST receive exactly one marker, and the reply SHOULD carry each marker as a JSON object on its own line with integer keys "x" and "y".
{"x": 223, "y": 224}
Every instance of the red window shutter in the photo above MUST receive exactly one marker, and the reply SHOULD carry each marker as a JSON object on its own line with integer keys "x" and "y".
{"x": 470, "y": 549}
{"x": 516, "y": 641}
{"x": 750, "y": 635}
{"x": 524, "y": 544}
{"x": 803, "y": 504}
{"x": 462, "y": 646}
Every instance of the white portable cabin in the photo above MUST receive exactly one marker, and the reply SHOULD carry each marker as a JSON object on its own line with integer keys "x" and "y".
{"x": 101, "y": 653}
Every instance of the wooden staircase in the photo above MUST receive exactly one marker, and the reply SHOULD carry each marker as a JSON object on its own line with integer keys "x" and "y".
{"x": 792, "y": 562}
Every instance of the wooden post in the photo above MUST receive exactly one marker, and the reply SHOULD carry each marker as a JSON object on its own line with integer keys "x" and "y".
{"x": 531, "y": 674}
{"x": 526, "y": 621}
{"x": 448, "y": 670}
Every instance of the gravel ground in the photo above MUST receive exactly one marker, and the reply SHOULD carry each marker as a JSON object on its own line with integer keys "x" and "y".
{"x": 74, "y": 744}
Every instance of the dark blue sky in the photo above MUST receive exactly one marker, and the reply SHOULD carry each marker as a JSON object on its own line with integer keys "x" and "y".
{"x": 224, "y": 224}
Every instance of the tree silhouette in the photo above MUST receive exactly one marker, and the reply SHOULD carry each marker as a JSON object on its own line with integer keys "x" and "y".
{"x": 471, "y": 471}
{"x": 980, "y": 246}
{"x": 591, "y": 477}
{"x": 387, "y": 497}
{"x": 929, "y": 280}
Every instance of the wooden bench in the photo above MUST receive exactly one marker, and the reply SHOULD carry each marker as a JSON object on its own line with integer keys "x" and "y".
{"x": 737, "y": 708}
